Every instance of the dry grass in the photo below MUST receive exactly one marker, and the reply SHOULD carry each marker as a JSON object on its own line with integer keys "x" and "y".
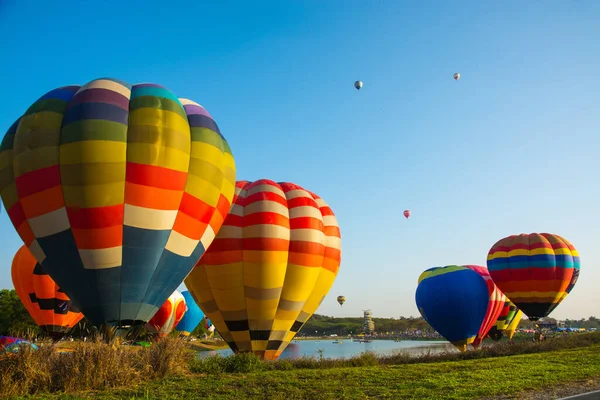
{"x": 89, "y": 366}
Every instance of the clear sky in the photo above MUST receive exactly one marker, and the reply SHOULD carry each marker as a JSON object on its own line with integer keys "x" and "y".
{"x": 512, "y": 147}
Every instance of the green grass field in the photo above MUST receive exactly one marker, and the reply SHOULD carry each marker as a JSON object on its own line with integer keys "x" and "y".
{"x": 498, "y": 377}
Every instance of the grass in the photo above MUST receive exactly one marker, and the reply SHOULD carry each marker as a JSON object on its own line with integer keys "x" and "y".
{"x": 169, "y": 370}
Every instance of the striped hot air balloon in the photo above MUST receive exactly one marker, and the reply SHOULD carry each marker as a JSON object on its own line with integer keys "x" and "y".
{"x": 506, "y": 317}
{"x": 536, "y": 271}
{"x": 49, "y": 307}
{"x": 117, "y": 190}
{"x": 168, "y": 315}
{"x": 269, "y": 268}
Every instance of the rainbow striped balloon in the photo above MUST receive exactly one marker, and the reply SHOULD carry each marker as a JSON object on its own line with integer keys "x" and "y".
{"x": 535, "y": 271}
{"x": 269, "y": 268}
{"x": 117, "y": 190}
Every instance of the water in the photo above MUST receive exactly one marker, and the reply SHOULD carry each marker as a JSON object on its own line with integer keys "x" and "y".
{"x": 348, "y": 348}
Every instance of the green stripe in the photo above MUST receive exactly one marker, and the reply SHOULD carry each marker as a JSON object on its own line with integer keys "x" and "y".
{"x": 160, "y": 103}
{"x": 93, "y": 129}
{"x": 92, "y": 174}
{"x": 52, "y": 105}
{"x": 208, "y": 136}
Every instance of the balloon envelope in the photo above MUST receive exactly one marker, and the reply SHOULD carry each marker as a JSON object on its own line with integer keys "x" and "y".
{"x": 12, "y": 344}
{"x": 509, "y": 311}
{"x": 341, "y": 300}
{"x": 358, "y": 85}
{"x": 536, "y": 271}
{"x": 49, "y": 307}
{"x": 168, "y": 315}
{"x": 454, "y": 301}
{"x": 117, "y": 190}
{"x": 192, "y": 316}
{"x": 456, "y": 76}
{"x": 269, "y": 268}
{"x": 406, "y": 213}
{"x": 495, "y": 304}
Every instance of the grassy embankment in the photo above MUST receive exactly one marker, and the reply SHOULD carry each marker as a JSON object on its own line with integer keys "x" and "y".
{"x": 169, "y": 370}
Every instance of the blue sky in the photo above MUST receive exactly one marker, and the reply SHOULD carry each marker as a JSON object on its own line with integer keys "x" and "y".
{"x": 511, "y": 147}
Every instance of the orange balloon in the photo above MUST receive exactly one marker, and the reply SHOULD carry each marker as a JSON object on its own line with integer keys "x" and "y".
{"x": 49, "y": 307}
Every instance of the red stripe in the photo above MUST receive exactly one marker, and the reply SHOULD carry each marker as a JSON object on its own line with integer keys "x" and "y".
{"x": 522, "y": 246}
{"x": 223, "y": 205}
{"x": 97, "y": 217}
{"x": 38, "y": 180}
{"x": 241, "y": 184}
{"x": 196, "y": 208}
{"x": 297, "y": 246}
{"x": 306, "y": 223}
{"x": 16, "y": 214}
{"x": 262, "y": 218}
{"x": 225, "y": 245}
{"x": 264, "y": 196}
{"x": 154, "y": 176}
{"x": 287, "y": 186}
{"x": 326, "y": 210}
{"x": 525, "y": 274}
{"x": 234, "y": 220}
{"x": 266, "y": 244}
{"x": 302, "y": 202}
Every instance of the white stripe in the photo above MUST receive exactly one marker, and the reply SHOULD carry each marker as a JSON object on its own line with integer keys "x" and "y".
{"x": 266, "y": 206}
{"x": 102, "y": 258}
{"x": 292, "y": 194}
{"x": 230, "y": 232}
{"x": 330, "y": 220}
{"x": 308, "y": 235}
{"x": 106, "y": 84}
{"x": 181, "y": 244}
{"x": 266, "y": 188}
{"x": 306, "y": 211}
{"x": 148, "y": 218}
{"x": 37, "y": 251}
{"x": 50, "y": 224}
{"x": 208, "y": 237}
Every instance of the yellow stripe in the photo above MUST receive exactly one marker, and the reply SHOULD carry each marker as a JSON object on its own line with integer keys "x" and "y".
{"x": 202, "y": 190}
{"x": 93, "y": 151}
{"x": 439, "y": 271}
{"x": 94, "y": 195}
{"x": 158, "y": 155}
{"x": 161, "y": 118}
{"x": 39, "y": 158}
{"x": 535, "y": 294}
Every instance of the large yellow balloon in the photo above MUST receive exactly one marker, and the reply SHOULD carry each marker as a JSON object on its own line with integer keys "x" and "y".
{"x": 270, "y": 266}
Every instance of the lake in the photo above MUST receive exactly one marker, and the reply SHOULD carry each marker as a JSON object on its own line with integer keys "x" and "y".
{"x": 348, "y": 348}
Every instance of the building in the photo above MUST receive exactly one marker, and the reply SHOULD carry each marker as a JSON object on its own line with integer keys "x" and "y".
{"x": 369, "y": 325}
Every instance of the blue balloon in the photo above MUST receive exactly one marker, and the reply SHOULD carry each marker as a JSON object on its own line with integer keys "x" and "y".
{"x": 192, "y": 316}
{"x": 454, "y": 301}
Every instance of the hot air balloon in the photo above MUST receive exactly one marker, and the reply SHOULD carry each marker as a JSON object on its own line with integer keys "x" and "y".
{"x": 454, "y": 301}
{"x": 269, "y": 268}
{"x": 495, "y": 304}
{"x": 358, "y": 85}
{"x": 456, "y": 76}
{"x": 49, "y": 307}
{"x": 192, "y": 316}
{"x": 341, "y": 300}
{"x": 13, "y": 345}
{"x": 509, "y": 311}
{"x": 168, "y": 315}
{"x": 513, "y": 325}
{"x": 117, "y": 190}
{"x": 406, "y": 213}
{"x": 535, "y": 271}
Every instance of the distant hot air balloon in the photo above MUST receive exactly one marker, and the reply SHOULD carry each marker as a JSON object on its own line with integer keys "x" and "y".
{"x": 406, "y": 213}
{"x": 269, "y": 268}
{"x": 509, "y": 311}
{"x": 456, "y": 76}
{"x": 117, "y": 190}
{"x": 358, "y": 85}
{"x": 454, "y": 301}
{"x": 535, "y": 271}
{"x": 49, "y": 307}
{"x": 167, "y": 316}
{"x": 192, "y": 316}
{"x": 495, "y": 304}
{"x": 341, "y": 300}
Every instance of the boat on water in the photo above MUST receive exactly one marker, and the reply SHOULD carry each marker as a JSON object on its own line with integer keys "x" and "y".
{"x": 337, "y": 342}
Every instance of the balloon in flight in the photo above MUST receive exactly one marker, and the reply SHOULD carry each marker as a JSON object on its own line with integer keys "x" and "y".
{"x": 495, "y": 304}
{"x": 454, "y": 301}
{"x": 117, "y": 190}
{"x": 269, "y": 267}
{"x": 192, "y": 316}
{"x": 406, "y": 213}
{"x": 168, "y": 315}
{"x": 456, "y": 76}
{"x": 341, "y": 300}
{"x": 49, "y": 307}
{"x": 358, "y": 85}
{"x": 536, "y": 271}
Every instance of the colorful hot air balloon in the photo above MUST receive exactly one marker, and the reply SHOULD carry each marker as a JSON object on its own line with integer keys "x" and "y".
{"x": 509, "y": 311}
{"x": 13, "y": 345}
{"x": 358, "y": 85}
{"x": 454, "y": 301}
{"x": 495, "y": 304}
{"x": 49, "y": 307}
{"x": 406, "y": 213}
{"x": 535, "y": 271}
{"x": 192, "y": 316}
{"x": 117, "y": 190}
{"x": 341, "y": 300}
{"x": 168, "y": 315}
{"x": 513, "y": 325}
{"x": 269, "y": 268}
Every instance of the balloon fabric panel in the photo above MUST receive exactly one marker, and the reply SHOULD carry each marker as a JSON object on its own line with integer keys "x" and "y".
{"x": 117, "y": 190}
{"x": 192, "y": 316}
{"x": 269, "y": 268}
{"x": 168, "y": 315}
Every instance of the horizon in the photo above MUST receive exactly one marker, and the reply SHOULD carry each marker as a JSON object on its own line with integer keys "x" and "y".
{"x": 509, "y": 148}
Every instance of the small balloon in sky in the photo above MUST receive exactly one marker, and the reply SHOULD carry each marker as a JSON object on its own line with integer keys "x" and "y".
{"x": 358, "y": 85}
{"x": 456, "y": 76}
{"x": 406, "y": 213}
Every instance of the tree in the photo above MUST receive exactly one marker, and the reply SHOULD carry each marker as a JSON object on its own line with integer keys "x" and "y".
{"x": 14, "y": 317}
